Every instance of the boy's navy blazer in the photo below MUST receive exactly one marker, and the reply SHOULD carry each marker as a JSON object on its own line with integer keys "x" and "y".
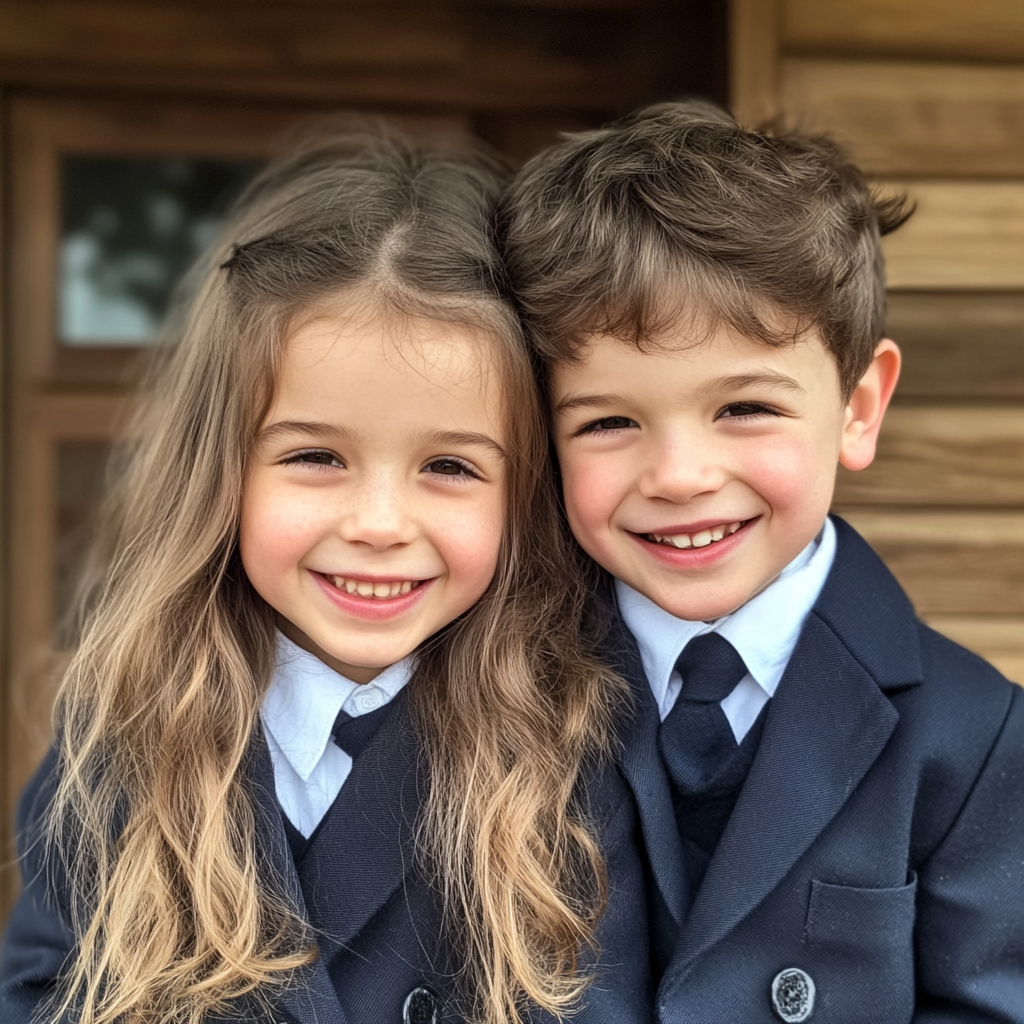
{"x": 878, "y": 843}
{"x": 378, "y": 921}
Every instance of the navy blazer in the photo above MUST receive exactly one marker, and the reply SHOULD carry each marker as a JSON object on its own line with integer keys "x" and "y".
{"x": 878, "y": 843}
{"x": 378, "y": 922}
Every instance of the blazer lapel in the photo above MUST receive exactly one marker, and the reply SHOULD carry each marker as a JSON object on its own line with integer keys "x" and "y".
{"x": 309, "y": 996}
{"x": 826, "y": 726}
{"x": 366, "y": 846}
{"x": 642, "y": 766}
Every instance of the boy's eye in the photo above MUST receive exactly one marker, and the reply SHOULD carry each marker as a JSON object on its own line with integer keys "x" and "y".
{"x": 450, "y": 467}
{"x": 314, "y": 457}
{"x": 737, "y": 410}
{"x": 607, "y": 423}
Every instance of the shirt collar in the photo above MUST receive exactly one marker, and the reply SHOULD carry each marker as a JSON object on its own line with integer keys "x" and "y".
{"x": 764, "y": 630}
{"x": 305, "y": 696}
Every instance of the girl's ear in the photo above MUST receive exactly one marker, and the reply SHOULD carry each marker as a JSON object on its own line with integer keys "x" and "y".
{"x": 867, "y": 405}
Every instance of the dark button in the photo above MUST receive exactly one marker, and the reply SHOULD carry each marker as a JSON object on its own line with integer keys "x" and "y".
{"x": 421, "y": 1006}
{"x": 793, "y": 995}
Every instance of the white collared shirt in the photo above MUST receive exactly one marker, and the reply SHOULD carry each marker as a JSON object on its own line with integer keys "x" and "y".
{"x": 298, "y": 714}
{"x": 764, "y": 631}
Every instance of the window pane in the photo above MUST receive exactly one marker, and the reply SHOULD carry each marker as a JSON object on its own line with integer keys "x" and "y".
{"x": 131, "y": 226}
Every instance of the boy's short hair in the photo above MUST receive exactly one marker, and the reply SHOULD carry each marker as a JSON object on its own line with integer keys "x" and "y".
{"x": 678, "y": 211}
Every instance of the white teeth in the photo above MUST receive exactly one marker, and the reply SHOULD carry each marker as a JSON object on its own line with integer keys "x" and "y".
{"x": 364, "y": 588}
{"x": 701, "y": 539}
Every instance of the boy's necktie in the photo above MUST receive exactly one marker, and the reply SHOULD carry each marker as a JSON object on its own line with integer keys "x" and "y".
{"x": 696, "y": 740}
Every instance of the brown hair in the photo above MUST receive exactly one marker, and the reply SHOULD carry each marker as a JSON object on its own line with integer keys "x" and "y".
{"x": 677, "y": 211}
{"x": 173, "y": 915}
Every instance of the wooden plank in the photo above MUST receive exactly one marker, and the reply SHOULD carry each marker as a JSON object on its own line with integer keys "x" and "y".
{"x": 985, "y": 29}
{"x": 951, "y": 563}
{"x": 963, "y": 235}
{"x": 753, "y": 60}
{"x": 959, "y": 345}
{"x": 942, "y": 455}
{"x": 913, "y": 118}
{"x": 420, "y": 55}
{"x": 999, "y": 639}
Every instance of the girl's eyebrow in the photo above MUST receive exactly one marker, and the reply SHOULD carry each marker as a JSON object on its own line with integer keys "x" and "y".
{"x": 309, "y": 428}
{"x": 461, "y": 437}
{"x": 329, "y": 432}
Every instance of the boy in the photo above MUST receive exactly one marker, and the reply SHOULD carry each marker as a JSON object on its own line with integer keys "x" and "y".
{"x": 831, "y": 794}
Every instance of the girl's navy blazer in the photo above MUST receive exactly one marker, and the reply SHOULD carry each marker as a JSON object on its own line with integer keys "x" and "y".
{"x": 383, "y": 958}
{"x": 877, "y": 846}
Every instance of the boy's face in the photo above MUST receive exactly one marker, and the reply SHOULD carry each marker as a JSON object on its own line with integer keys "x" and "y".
{"x": 696, "y": 473}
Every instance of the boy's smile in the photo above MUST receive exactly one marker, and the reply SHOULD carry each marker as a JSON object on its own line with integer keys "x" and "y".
{"x": 696, "y": 473}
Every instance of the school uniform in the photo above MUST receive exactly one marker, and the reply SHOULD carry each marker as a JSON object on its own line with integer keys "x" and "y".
{"x": 868, "y": 867}
{"x": 339, "y": 833}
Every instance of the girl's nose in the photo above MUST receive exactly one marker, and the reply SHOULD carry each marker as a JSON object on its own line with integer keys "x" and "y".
{"x": 379, "y": 515}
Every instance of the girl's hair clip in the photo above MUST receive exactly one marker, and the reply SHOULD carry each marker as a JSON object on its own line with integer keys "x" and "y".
{"x": 239, "y": 250}
{"x": 232, "y": 260}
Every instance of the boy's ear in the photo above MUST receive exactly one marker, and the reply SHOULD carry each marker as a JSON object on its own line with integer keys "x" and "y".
{"x": 867, "y": 405}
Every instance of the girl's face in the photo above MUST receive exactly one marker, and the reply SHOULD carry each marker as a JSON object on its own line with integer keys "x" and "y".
{"x": 373, "y": 505}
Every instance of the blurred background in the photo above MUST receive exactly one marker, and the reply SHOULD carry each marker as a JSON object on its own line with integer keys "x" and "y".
{"x": 129, "y": 125}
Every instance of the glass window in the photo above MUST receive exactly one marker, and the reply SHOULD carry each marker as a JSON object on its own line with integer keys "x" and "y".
{"x": 130, "y": 228}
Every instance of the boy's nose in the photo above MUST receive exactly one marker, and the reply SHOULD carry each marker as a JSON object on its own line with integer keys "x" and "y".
{"x": 678, "y": 470}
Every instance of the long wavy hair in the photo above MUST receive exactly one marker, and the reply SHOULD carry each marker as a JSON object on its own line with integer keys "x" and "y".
{"x": 174, "y": 912}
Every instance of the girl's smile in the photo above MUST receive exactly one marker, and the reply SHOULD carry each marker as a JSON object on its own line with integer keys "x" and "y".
{"x": 373, "y": 507}
{"x": 374, "y": 601}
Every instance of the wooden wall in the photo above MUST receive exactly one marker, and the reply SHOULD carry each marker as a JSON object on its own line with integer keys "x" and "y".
{"x": 929, "y": 96}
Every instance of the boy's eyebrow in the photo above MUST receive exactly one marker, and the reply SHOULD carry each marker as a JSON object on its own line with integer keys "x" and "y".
{"x": 735, "y": 382}
{"x": 311, "y": 428}
{"x": 572, "y": 401}
{"x": 762, "y": 378}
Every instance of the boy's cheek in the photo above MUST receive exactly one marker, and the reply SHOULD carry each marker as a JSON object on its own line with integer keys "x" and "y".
{"x": 589, "y": 494}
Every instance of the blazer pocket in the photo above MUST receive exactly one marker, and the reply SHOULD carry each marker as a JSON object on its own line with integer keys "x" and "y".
{"x": 863, "y": 944}
{"x": 850, "y": 916}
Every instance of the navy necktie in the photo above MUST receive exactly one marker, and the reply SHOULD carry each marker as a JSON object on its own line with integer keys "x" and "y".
{"x": 696, "y": 740}
{"x": 353, "y": 734}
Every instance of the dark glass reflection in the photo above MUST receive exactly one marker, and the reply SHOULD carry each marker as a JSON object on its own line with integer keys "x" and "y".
{"x": 130, "y": 228}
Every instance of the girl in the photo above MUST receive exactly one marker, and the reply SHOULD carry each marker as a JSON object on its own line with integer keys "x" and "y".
{"x": 338, "y": 490}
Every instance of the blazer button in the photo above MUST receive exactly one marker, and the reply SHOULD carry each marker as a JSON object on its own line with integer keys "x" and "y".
{"x": 421, "y": 1006}
{"x": 793, "y": 995}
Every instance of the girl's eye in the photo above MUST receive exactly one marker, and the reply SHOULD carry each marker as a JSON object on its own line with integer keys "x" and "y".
{"x": 451, "y": 467}
{"x": 606, "y": 424}
{"x": 745, "y": 410}
{"x": 314, "y": 457}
